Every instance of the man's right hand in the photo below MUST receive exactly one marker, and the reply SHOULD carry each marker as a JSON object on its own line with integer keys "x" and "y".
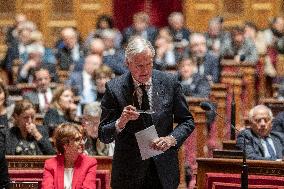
{"x": 129, "y": 113}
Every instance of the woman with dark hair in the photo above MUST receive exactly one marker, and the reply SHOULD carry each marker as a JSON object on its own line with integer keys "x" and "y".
{"x": 62, "y": 109}
{"x": 70, "y": 168}
{"x": 104, "y": 22}
{"x": 25, "y": 137}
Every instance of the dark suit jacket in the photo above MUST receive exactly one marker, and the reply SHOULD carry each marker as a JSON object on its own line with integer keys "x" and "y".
{"x": 4, "y": 176}
{"x": 169, "y": 104}
{"x": 199, "y": 87}
{"x": 254, "y": 148}
{"x": 278, "y": 123}
{"x": 33, "y": 97}
{"x": 43, "y": 146}
{"x": 52, "y": 119}
{"x": 65, "y": 59}
{"x": 84, "y": 173}
{"x": 211, "y": 67}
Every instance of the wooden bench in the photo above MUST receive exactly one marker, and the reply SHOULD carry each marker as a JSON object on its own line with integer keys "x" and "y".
{"x": 234, "y": 166}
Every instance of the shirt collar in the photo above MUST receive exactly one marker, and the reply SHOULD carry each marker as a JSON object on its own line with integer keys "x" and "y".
{"x": 137, "y": 83}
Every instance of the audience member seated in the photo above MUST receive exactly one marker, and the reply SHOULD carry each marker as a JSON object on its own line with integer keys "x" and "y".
{"x": 11, "y": 37}
{"x": 101, "y": 76}
{"x": 17, "y": 50}
{"x": 104, "y": 22}
{"x": 5, "y": 110}
{"x": 4, "y": 176}
{"x": 242, "y": 49}
{"x": 70, "y": 168}
{"x": 35, "y": 61}
{"x": 83, "y": 82}
{"x": 207, "y": 64}
{"x": 26, "y": 138}
{"x": 42, "y": 94}
{"x": 62, "y": 109}
{"x": 166, "y": 56}
{"x": 140, "y": 27}
{"x": 91, "y": 121}
{"x": 278, "y": 122}
{"x": 179, "y": 32}
{"x": 70, "y": 52}
{"x": 274, "y": 35}
{"x": 36, "y": 39}
{"x": 193, "y": 84}
{"x": 261, "y": 142}
{"x": 112, "y": 57}
{"x": 216, "y": 38}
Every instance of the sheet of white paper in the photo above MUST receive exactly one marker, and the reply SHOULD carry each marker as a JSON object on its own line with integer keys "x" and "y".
{"x": 144, "y": 139}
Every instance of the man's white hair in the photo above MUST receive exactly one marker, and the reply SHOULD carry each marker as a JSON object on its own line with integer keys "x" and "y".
{"x": 259, "y": 107}
{"x": 138, "y": 45}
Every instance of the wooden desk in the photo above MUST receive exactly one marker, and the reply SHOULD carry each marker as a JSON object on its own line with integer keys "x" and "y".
{"x": 37, "y": 162}
{"x": 220, "y": 165}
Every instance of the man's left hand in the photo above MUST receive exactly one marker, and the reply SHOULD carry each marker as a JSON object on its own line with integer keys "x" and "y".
{"x": 163, "y": 143}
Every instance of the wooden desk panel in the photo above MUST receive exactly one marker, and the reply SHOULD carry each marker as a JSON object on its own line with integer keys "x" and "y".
{"x": 220, "y": 165}
{"x": 37, "y": 162}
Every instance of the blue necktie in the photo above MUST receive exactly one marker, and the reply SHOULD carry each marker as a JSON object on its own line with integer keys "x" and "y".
{"x": 270, "y": 149}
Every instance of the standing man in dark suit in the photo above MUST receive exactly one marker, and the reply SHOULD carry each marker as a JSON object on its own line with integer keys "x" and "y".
{"x": 261, "y": 142}
{"x": 144, "y": 88}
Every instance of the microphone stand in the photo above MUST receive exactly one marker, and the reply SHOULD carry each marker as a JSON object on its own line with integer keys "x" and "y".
{"x": 244, "y": 174}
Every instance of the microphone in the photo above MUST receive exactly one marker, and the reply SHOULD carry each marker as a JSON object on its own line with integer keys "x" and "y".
{"x": 207, "y": 106}
{"x": 242, "y": 57}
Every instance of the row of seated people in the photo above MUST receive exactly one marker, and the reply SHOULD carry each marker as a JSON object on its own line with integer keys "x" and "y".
{"x": 24, "y": 137}
{"x": 204, "y": 48}
{"x": 69, "y": 168}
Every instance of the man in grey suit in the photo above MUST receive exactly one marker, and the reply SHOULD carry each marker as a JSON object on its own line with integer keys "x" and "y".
{"x": 42, "y": 95}
{"x": 144, "y": 88}
{"x": 261, "y": 142}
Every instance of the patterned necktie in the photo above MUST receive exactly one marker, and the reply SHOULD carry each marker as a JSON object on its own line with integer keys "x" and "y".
{"x": 145, "y": 100}
{"x": 147, "y": 118}
{"x": 270, "y": 149}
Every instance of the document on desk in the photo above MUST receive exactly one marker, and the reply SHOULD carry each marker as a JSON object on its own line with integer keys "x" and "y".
{"x": 144, "y": 139}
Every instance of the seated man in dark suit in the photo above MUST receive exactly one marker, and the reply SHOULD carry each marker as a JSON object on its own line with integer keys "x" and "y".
{"x": 42, "y": 95}
{"x": 207, "y": 63}
{"x": 261, "y": 142}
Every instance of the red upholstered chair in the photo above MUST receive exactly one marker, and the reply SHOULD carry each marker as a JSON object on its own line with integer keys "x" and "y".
{"x": 260, "y": 180}
{"x": 222, "y": 185}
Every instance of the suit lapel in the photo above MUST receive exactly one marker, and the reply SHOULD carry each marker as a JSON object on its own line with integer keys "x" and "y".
{"x": 158, "y": 93}
{"x": 128, "y": 89}
{"x": 277, "y": 145}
